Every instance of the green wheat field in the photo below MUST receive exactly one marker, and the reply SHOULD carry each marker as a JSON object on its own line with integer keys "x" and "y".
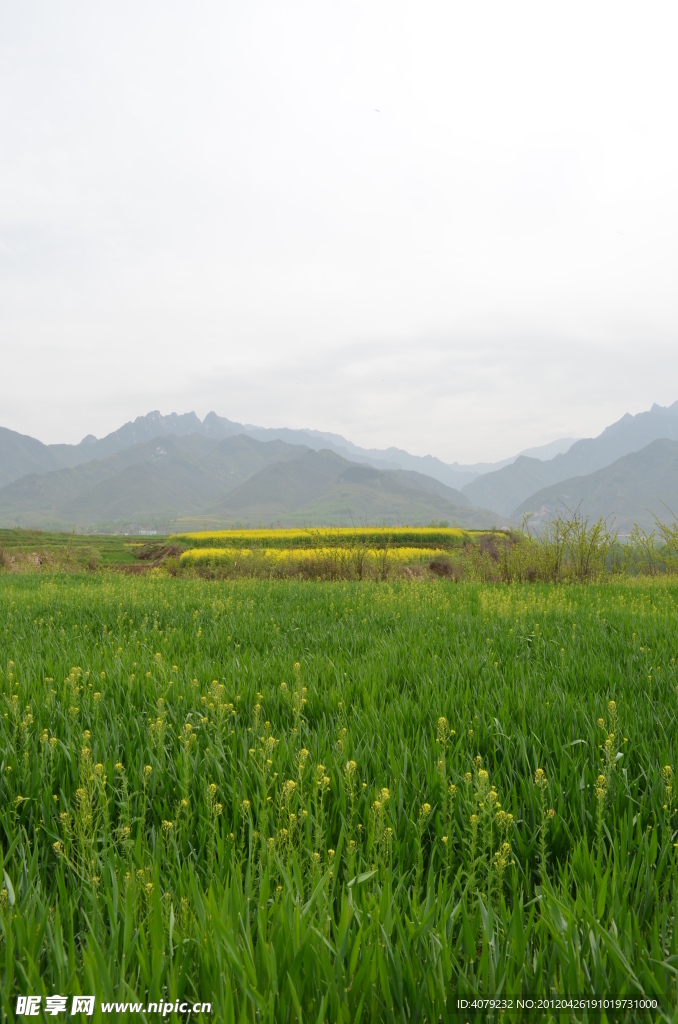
{"x": 343, "y": 801}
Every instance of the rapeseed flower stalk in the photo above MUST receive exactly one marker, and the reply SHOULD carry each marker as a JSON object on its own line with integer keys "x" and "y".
{"x": 295, "y": 698}
{"x": 215, "y": 811}
{"x": 53, "y": 741}
{"x": 123, "y": 801}
{"x": 610, "y": 749}
{"x": 448, "y": 839}
{"x": 158, "y": 728}
{"x": 348, "y": 780}
{"x": 541, "y": 782}
{"x": 443, "y": 736}
{"x": 83, "y": 828}
{"x": 67, "y": 832}
{"x": 502, "y": 859}
{"x": 146, "y": 775}
{"x": 218, "y": 704}
{"x": 489, "y": 813}
{"x": 188, "y": 741}
{"x": 289, "y": 789}
{"x": 101, "y": 824}
{"x": 322, "y": 784}
{"x": 245, "y": 807}
{"x": 263, "y": 757}
{"x": 424, "y": 815}
{"x": 473, "y": 827}
{"x": 485, "y": 798}
{"x": 285, "y": 814}
{"x": 300, "y": 764}
{"x": 612, "y": 712}
{"x": 667, "y": 806}
{"x": 377, "y": 839}
{"x": 86, "y": 826}
{"x": 601, "y": 794}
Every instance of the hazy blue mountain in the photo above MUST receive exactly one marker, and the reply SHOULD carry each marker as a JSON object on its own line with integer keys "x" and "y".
{"x": 453, "y": 474}
{"x": 322, "y": 487}
{"x": 233, "y": 479}
{"x": 628, "y": 491}
{"x": 504, "y": 489}
{"x": 547, "y": 451}
{"x": 154, "y": 481}
{"x": 507, "y": 488}
{"x": 20, "y": 455}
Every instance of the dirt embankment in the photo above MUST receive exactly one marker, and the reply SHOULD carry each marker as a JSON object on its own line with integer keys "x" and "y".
{"x": 155, "y": 556}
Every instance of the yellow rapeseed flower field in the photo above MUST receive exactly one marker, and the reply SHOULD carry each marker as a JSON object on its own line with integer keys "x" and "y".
{"x": 305, "y": 556}
{"x": 325, "y": 553}
{"x": 326, "y": 537}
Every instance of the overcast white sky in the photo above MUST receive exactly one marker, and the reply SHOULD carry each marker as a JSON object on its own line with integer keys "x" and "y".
{"x": 448, "y": 226}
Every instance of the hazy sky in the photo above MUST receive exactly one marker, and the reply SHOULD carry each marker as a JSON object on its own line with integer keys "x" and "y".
{"x": 448, "y": 226}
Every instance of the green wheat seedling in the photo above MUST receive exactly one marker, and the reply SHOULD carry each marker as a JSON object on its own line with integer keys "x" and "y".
{"x": 184, "y": 824}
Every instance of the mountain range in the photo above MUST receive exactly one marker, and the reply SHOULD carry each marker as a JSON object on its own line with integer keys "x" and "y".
{"x": 20, "y": 454}
{"x": 508, "y": 487}
{"x": 195, "y": 481}
{"x": 632, "y": 490}
{"x": 161, "y": 472}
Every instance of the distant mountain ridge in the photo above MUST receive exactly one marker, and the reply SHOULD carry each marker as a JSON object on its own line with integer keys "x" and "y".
{"x": 321, "y": 486}
{"x": 157, "y": 468}
{"x": 633, "y": 489}
{"x": 505, "y": 490}
{"x": 20, "y": 454}
{"x": 225, "y": 481}
{"x": 157, "y": 479}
